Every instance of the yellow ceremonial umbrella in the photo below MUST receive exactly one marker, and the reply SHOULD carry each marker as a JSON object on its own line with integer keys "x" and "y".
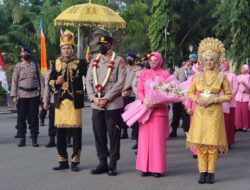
{"x": 89, "y": 15}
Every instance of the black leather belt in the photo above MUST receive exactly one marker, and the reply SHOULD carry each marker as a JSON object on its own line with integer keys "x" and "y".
{"x": 28, "y": 89}
{"x": 118, "y": 95}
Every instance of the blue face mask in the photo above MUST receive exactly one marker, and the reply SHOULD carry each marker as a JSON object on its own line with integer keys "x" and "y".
{"x": 103, "y": 49}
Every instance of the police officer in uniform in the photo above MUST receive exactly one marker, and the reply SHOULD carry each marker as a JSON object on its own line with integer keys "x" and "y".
{"x": 67, "y": 85}
{"x": 179, "y": 111}
{"x": 105, "y": 80}
{"x": 48, "y": 104}
{"x": 128, "y": 93}
{"x": 26, "y": 89}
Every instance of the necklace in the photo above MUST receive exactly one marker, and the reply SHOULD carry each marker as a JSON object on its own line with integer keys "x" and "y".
{"x": 100, "y": 87}
{"x": 207, "y": 87}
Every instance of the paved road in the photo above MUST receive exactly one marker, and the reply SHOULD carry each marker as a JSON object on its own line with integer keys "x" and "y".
{"x": 29, "y": 168}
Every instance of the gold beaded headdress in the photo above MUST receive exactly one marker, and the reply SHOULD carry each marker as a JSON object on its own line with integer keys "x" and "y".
{"x": 67, "y": 38}
{"x": 210, "y": 46}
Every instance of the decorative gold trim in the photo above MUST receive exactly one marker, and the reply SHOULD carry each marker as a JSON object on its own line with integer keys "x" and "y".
{"x": 58, "y": 65}
{"x": 220, "y": 148}
{"x": 213, "y": 45}
{"x": 69, "y": 68}
{"x": 67, "y": 38}
{"x": 67, "y": 126}
{"x": 52, "y": 84}
{"x": 90, "y": 24}
{"x": 62, "y": 159}
{"x": 76, "y": 159}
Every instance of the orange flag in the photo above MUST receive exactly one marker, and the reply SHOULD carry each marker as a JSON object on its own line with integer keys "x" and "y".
{"x": 44, "y": 66}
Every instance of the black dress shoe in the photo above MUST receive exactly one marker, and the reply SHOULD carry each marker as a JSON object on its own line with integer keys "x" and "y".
{"x": 34, "y": 142}
{"x": 22, "y": 142}
{"x": 18, "y": 135}
{"x": 124, "y": 134}
{"x": 202, "y": 179}
{"x": 195, "y": 156}
{"x": 62, "y": 166}
{"x": 75, "y": 167}
{"x": 173, "y": 134}
{"x": 210, "y": 178}
{"x": 112, "y": 168}
{"x": 112, "y": 172}
{"x": 145, "y": 174}
{"x": 51, "y": 142}
{"x": 157, "y": 175}
{"x": 101, "y": 168}
{"x": 134, "y": 146}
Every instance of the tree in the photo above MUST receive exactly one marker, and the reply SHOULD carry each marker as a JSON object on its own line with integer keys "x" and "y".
{"x": 135, "y": 36}
{"x": 19, "y": 29}
{"x": 233, "y": 27}
{"x": 161, "y": 14}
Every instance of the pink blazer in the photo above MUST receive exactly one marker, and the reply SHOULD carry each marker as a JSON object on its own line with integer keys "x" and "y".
{"x": 231, "y": 77}
{"x": 241, "y": 96}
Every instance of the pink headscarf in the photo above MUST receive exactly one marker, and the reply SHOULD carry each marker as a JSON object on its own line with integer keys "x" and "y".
{"x": 246, "y": 68}
{"x": 158, "y": 56}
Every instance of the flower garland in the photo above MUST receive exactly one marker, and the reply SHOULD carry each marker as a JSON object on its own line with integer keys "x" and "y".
{"x": 100, "y": 87}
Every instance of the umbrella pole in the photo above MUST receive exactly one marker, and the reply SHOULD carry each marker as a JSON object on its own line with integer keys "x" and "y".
{"x": 80, "y": 43}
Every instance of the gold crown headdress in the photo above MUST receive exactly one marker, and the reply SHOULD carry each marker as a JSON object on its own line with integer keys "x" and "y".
{"x": 67, "y": 38}
{"x": 211, "y": 45}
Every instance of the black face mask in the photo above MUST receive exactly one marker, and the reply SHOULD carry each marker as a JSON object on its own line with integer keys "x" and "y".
{"x": 26, "y": 57}
{"x": 130, "y": 62}
{"x": 103, "y": 49}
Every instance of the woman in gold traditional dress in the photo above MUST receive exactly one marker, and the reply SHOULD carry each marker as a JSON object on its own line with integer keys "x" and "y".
{"x": 207, "y": 130}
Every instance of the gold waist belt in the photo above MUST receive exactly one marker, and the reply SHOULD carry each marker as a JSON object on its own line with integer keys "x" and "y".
{"x": 209, "y": 95}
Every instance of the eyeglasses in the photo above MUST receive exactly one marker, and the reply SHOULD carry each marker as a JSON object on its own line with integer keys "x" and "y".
{"x": 153, "y": 60}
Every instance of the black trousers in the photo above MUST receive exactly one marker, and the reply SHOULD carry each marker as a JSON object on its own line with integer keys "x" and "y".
{"x": 62, "y": 144}
{"x": 42, "y": 115}
{"x": 107, "y": 122}
{"x": 135, "y": 126}
{"x": 18, "y": 122}
{"x": 28, "y": 108}
{"x": 126, "y": 101}
{"x": 52, "y": 128}
{"x": 179, "y": 112}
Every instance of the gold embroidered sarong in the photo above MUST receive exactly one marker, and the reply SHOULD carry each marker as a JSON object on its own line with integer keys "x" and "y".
{"x": 66, "y": 116}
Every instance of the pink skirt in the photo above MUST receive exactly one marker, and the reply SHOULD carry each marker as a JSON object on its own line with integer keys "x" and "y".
{"x": 151, "y": 155}
{"x": 241, "y": 115}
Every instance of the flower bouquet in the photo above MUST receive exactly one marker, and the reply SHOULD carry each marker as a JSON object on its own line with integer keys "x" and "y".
{"x": 159, "y": 92}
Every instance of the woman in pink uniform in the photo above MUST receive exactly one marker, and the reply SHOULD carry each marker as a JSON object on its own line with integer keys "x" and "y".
{"x": 230, "y": 106}
{"x": 151, "y": 156}
{"x": 242, "y": 99}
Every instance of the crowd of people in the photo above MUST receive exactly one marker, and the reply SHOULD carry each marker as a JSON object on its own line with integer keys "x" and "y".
{"x": 216, "y": 105}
